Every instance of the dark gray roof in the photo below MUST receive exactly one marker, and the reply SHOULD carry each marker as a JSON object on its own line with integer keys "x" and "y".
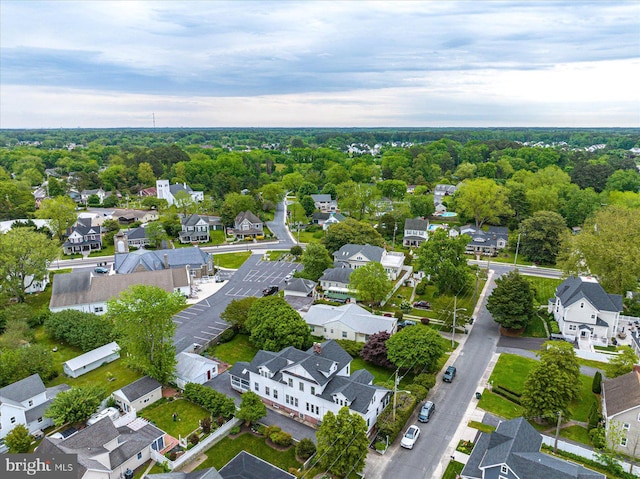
{"x": 517, "y": 444}
{"x": 340, "y": 275}
{"x": 247, "y": 215}
{"x": 22, "y": 390}
{"x": 372, "y": 253}
{"x": 416, "y": 224}
{"x": 622, "y": 393}
{"x": 208, "y": 473}
{"x": 154, "y": 260}
{"x": 137, "y": 233}
{"x": 192, "y": 220}
{"x": 574, "y": 289}
{"x": 140, "y": 388}
{"x": 179, "y": 187}
{"x": 300, "y": 284}
{"x": 248, "y": 466}
{"x": 38, "y": 411}
{"x": 321, "y": 197}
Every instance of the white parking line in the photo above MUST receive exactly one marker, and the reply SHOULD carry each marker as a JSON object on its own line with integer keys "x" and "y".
{"x": 203, "y": 339}
{"x": 188, "y": 312}
{"x": 207, "y": 332}
{"x": 176, "y": 321}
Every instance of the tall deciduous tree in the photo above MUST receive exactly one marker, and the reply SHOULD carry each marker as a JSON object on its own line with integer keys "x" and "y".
{"x": 86, "y": 331}
{"x": 444, "y": 260}
{"x": 156, "y": 233}
{"x": 511, "y": 302}
{"x": 417, "y": 347}
{"x": 251, "y": 408}
{"x": 421, "y": 205}
{"x": 19, "y": 363}
{"x": 76, "y": 404}
{"x": 235, "y": 203}
{"x": 61, "y": 213}
{"x": 237, "y": 312}
{"x": 351, "y": 231}
{"x": 608, "y": 247}
{"x": 375, "y": 350}
{"x": 315, "y": 260}
{"x": 18, "y": 440}
{"x": 483, "y": 200}
{"x": 24, "y": 258}
{"x": 274, "y": 325}
{"x": 553, "y": 382}
{"x": 342, "y": 443}
{"x": 622, "y": 363}
{"x": 142, "y": 316}
{"x": 356, "y": 198}
{"x": 541, "y": 236}
{"x": 370, "y": 283}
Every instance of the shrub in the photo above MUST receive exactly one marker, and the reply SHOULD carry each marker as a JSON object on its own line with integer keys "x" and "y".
{"x": 194, "y": 439}
{"x": 296, "y": 250}
{"x": 205, "y": 424}
{"x": 553, "y": 327}
{"x": 269, "y": 430}
{"x": 424, "y": 321}
{"x": 598, "y": 437}
{"x": 420, "y": 392}
{"x": 313, "y": 228}
{"x": 425, "y": 380}
{"x": 405, "y": 403}
{"x": 305, "y": 448}
{"x": 235, "y": 430}
{"x": 173, "y": 455}
{"x": 505, "y": 393}
{"x": 261, "y": 429}
{"x": 594, "y": 416}
{"x": 352, "y": 347}
{"x": 398, "y": 314}
{"x": 421, "y": 287}
{"x": 227, "y": 335}
{"x": 380, "y": 446}
{"x": 596, "y": 386}
{"x": 217, "y": 403}
{"x": 281, "y": 438}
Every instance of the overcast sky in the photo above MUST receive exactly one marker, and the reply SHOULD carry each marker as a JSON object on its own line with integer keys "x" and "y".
{"x": 319, "y": 63}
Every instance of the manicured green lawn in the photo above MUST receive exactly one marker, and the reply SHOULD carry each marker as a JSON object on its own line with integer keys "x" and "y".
{"x": 511, "y": 371}
{"x": 161, "y": 414}
{"x": 535, "y": 329}
{"x": 480, "y": 426}
{"x": 275, "y": 255}
{"x": 442, "y": 305}
{"x": 238, "y": 349}
{"x": 577, "y": 434}
{"x": 580, "y": 408}
{"x": 231, "y": 260}
{"x": 107, "y": 250}
{"x": 500, "y": 406}
{"x": 592, "y": 364}
{"x": 453, "y": 469}
{"x": 228, "y": 448}
{"x": 545, "y": 288}
{"x": 307, "y": 237}
{"x": 380, "y": 375}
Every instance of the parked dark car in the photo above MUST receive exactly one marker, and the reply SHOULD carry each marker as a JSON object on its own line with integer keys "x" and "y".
{"x": 428, "y": 408}
{"x": 101, "y": 270}
{"x": 449, "y": 374}
{"x": 269, "y": 291}
{"x": 422, "y": 305}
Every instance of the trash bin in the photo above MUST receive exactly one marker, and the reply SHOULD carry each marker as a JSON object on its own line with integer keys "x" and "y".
{"x": 478, "y": 395}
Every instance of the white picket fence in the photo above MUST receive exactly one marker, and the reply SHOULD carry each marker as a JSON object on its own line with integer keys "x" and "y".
{"x": 584, "y": 452}
{"x": 203, "y": 445}
{"x": 594, "y": 356}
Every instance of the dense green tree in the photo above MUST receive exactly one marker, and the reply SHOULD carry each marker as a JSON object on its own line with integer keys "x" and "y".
{"x": 273, "y": 192}
{"x": 156, "y": 233}
{"x": 142, "y": 316}
{"x": 624, "y": 180}
{"x": 61, "y": 213}
{"x": 19, "y": 363}
{"x": 511, "y": 302}
{"x": 591, "y": 175}
{"x": 483, "y": 200}
{"x": 342, "y": 443}
{"x": 541, "y": 236}
{"x": 24, "y": 257}
{"x": 56, "y": 187}
{"x": 18, "y": 440}
{"x": 416, "y": 347}
{"x": 375, "y": 350}
{"x": 86, "y": 331}
{"x": 251, "y": 408}
{"x": 307, "y": 189}
{"x": 622, "y": 363}
{"x": 16, "y": 199}
{"x": 237, "y": 312}
{"x": 146, "y": 176}
{"x": 444, "y": 259}
{"x": 315, "y": 260}
{"x": 392, "y": 189}
{"x": 421, "y": 205}
{"x": 17, "y": 332}
{"x": 308, "y": 205}
{"x": 391, "y": 224}
{"x": 235, "y": 203}
{"x": 608, "y": 247}
{"x": 171, "y": 222}
{"x": 330, "y": 189}
{"x": 356, "y": 198}
{"x": 552, "y": 383}
{"x": 274, "y": 325}
{"x": 576, "y": 204}
{"x": 370, "y": 283}
{"x": 76, "y": 404}
{"x": 151, "y": 202}
{"x": 217, "y": 403}
{"x": 351, "y": 231}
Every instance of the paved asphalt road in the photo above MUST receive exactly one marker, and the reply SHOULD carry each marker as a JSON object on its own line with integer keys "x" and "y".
{"x": 201, "y": 322}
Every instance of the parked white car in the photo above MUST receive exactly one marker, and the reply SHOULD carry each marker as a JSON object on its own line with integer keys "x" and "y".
{"x": 410, "y": 437}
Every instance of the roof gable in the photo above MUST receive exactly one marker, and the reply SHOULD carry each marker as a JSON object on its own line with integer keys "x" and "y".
{"x": 24, "y": 389}
{"x": 622, "y": 393}
{"x": 574, "y": 289}
{"x": 140, "y": 388}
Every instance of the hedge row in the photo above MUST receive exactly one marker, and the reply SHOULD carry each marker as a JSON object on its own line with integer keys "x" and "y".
{"x": 215, "y": 402}
{"x": 405, "y": 404}
{"x": 507, "y": 394}
{"x": 553, "y": 327}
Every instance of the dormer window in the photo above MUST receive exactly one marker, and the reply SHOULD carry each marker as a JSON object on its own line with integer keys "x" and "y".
{"x": 581, "y": 305}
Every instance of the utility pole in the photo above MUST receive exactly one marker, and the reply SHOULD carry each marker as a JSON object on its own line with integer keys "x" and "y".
{"x": 555, "y": 443}
{"x": 395, "y": 228}
{"x": 395, "y": 392}
{"x": 515, "y": 260}
{"x": 455, "y": 310}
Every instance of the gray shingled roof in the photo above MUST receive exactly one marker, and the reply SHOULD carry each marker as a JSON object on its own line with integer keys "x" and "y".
{"x": 190, "y": 365}
{"x": 416, "y": 224}
{"x": 574, "y": 289}
{"x": 179, "y": 187}
{"x": 372, "y": 253}
{"x": 339, "y": 275}
{"x": 208, "y": 473}
{"x": 323, "y": 198}
{"x": 92, "y": 356}
{"x": 191, "y": 220}
{"x": 126, "y": 263}
{"x": 248, "y": 466}
{"x": 22, "y": 390}
{"x": 137, "y": 233}
{"x": 351, "y": 315}
{"x": 517, "y": 444}
{"x": 300, "y": 284}
{"x": 140, "y": 388}
{"x": 247, "y": 215}
{"x": 622, "y": 393}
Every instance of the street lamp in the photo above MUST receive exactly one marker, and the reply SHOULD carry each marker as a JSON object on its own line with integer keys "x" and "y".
{"x": 455, "y": 310}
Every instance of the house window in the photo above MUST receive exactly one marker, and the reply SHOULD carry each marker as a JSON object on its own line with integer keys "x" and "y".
{"x": 290, "y": 382}
{"x": 572, "y": 327}
{"x": 295, "y": 401}
{"x": 256, "y": 386}
{"x": 332, "y": 331}
{"x": 275, "y": 394}
{"x": 313, "y": 391}
{"x": 344, "y": 334}
{"x": 626, "y": 426}
{"x": 623, "y": 442}
{"x": 139, "y": 455}
{"x": 98, "y": 309}
{"x": 301, "y": 386}
{"x": 593, "y": 316}
{"x": 581, "y": 305}
{"x": 266, "y": 390}
{"x": 30, "y": 402}
{"x": 39, "y": 419}
{"x": 504, "y": 469}
{"x": 13, "y": 420}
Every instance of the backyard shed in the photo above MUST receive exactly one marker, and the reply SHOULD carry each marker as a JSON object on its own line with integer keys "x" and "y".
{"x": 91, "y": 360}
{"x": 139, "y": 394}
{"x": 193, "y": 368}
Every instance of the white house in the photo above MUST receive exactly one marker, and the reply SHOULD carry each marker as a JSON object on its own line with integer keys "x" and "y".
{"x": 105, "y": 451}
{"x": 83, "y": 238}
{"x": 247, "y": 225}
{"x": 168, "y": 192}
{"x": 488, "y": 242}
{"x": 335, "y": 284}
{"x": 25, "y": 402}
{"x": 138, "y": 395}
{"x": 621, "y": 404}
{"x": 326, "y": 219}
{"x": 89, "y": 292}
{"x": 308, "y": 384}
{"x": 347, "y": 322}
{"x": 91, "y": 360}
{"x": 415, "y": 231}
{"x": 585, "y": 311}
{"x": 356, "y": 255}
{"x": 324, "y": 203}
{"x": 193, "y": 368}
{"x": 194, "y": 230}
